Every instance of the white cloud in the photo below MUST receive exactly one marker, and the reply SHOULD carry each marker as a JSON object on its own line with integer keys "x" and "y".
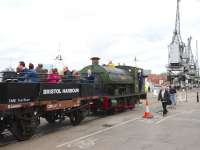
{"x": 30, "y": 30}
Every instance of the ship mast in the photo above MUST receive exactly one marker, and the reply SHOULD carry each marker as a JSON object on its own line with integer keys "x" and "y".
{"x": 59, "y": 59}
{"x": 59, "y": 56}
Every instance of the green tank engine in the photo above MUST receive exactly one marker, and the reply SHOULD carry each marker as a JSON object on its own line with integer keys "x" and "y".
{"x": 118, "y": 87}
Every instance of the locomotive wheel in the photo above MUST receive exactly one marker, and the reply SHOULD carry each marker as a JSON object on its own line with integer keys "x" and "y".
{"x": 22, "y": 129}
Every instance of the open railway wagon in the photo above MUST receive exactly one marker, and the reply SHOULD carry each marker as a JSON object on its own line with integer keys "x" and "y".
{"x": 23, "y": 104}
{"x": 107, "y": 89}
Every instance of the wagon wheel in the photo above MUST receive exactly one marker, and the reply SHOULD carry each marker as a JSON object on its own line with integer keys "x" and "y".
{"x": 76, "y": 117}
{"x": 22, "y": 129}
{"x": 2, "y": 127}
{"x": 1, "y": 131}
{"x": 51, "y": 118}
{"x": 94, "y": 111}
{"x": 82, "y": 114}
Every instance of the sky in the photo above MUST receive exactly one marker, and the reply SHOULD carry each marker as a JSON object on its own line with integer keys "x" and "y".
{"x": 117, "y": 30}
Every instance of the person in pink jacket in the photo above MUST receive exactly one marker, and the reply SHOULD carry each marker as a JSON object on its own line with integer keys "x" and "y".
{"x": 54, "y": 77}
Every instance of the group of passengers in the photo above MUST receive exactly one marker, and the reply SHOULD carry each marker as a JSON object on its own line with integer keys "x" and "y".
{"x": 40, "y": 74}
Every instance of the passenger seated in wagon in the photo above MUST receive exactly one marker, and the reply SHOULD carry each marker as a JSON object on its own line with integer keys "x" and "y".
{"x": 75, "y": 76}
{"x": 32, "y": 76}
{"x": 53, "y": 77}
{"x": 42, "y": 73}
{"x": 22, "y": 72}
{"x": 67, "y": 74}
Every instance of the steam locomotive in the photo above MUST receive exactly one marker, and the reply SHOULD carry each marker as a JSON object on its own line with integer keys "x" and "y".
{"x": 106, "y": 90}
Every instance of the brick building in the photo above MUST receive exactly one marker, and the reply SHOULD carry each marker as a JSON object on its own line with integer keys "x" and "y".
{"x": 157, "y": 78}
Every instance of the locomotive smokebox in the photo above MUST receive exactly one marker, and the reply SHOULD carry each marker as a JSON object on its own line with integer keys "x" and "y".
{"x": 95, "y": 60}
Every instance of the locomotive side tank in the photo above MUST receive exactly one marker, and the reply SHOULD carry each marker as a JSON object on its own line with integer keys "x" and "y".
{"x": 108, "y": 77}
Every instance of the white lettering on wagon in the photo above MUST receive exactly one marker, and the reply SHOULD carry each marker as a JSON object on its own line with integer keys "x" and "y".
{"x": 19, "y": 100}
{"x": 70, "y": 90}
{"x": 51, "y": 91}
{"x": 60, "y": 91}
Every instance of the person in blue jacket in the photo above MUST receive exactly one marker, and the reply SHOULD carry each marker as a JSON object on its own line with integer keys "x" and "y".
{"x": 32, "y": 74}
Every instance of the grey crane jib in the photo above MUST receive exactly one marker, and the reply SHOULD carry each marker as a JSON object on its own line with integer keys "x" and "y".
{"x": 176, "y": 35}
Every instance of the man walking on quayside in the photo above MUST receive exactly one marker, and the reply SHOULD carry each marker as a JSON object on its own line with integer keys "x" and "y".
{"x": 164, "y": 97}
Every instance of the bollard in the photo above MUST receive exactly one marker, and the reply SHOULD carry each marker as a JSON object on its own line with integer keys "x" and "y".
{"x": 197, "y": 97}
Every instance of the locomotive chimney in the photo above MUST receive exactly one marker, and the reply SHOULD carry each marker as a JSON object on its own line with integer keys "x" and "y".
{"x": 95, "y": 60}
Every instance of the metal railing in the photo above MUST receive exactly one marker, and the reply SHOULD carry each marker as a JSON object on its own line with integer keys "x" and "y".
{"x": 7, "y": 76}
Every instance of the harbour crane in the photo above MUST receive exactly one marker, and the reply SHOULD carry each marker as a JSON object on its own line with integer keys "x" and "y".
{"x": 181, "y": 68}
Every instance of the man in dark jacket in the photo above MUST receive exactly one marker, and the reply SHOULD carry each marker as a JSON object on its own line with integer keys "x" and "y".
{"x": 67, "y": 74}
{"x": 22, "y": 72}
{"x": 164, "y": 97}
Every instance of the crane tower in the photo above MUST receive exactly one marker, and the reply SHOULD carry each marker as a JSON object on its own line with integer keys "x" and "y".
{"x": 181, "y": 67}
